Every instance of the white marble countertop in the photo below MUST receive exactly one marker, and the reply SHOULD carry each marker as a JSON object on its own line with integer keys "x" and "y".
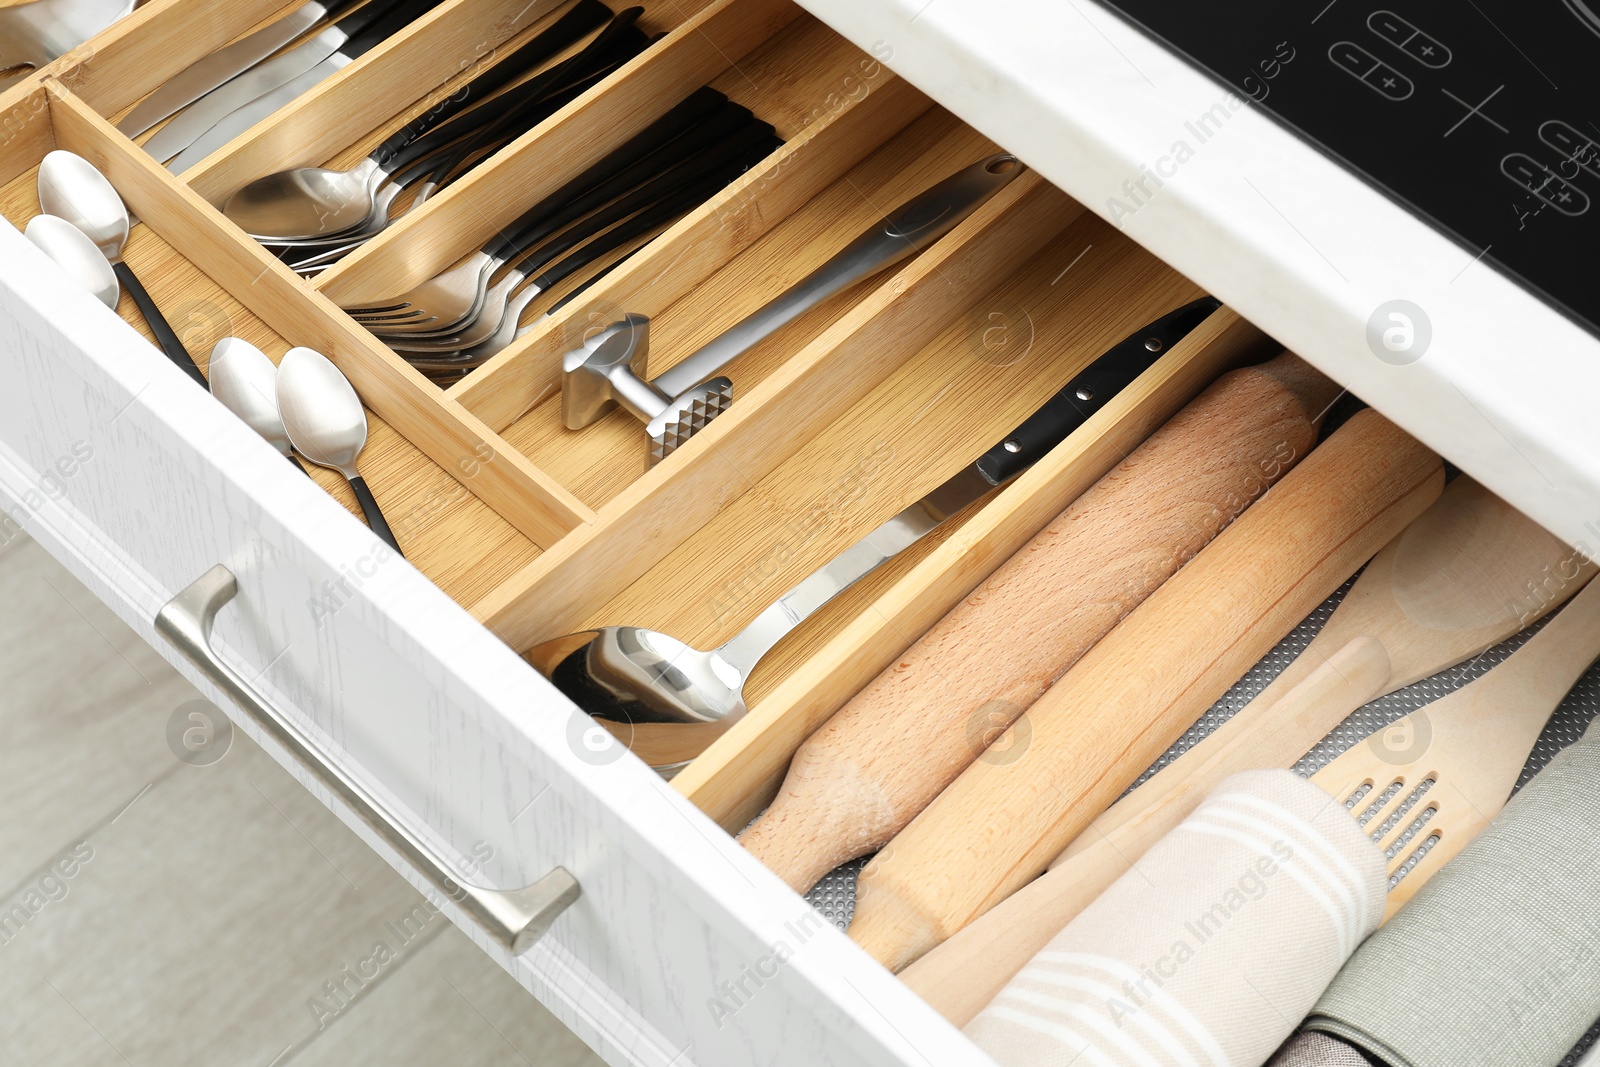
{"x": 1503, "y": 387}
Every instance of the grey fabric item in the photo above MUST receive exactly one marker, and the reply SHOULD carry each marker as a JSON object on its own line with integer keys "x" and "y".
{"x": 1210, "y": 950}
{"x": 1496, "y": 961}
{"x": 1317, "y": 1050}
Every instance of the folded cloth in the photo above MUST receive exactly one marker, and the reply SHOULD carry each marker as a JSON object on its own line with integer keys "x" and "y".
{"x": 1317, "y": 1050}
{"x": 1496, "y": 961}
{"x": 1211, "y": 949}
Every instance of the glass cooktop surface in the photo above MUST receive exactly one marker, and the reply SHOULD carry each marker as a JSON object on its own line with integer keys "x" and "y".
{"x": 1481, "y": 115}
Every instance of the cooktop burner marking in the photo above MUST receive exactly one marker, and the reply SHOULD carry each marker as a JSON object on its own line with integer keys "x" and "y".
{"x": 1473, "y": 109}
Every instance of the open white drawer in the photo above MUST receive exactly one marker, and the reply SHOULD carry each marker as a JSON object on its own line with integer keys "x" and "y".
{"x": 681, "y": 947}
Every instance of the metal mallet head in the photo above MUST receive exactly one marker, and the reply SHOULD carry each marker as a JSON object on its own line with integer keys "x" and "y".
{"x": 608, "y": 369}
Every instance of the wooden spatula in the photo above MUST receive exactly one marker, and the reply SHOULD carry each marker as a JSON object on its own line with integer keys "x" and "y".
{"x": 1469, "y": 573}
{"x": 1429, "y": 783}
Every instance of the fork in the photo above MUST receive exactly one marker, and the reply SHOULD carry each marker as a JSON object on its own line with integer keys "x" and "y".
{"x": 469, "y": 351}
{"x": 686, "y": 160}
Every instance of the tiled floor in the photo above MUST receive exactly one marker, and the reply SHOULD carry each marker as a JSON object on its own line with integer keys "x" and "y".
{"x": 163, "y": 911}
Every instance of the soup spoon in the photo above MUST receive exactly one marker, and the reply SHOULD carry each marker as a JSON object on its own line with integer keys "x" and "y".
{"x": 327, "y": 425}
{"x": 246, "y": 383}
{"x": 77, "y": 255}
{"x": 71, "y": 188}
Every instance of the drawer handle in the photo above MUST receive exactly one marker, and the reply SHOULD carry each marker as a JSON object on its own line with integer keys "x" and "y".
{"x": 516, "y": 918}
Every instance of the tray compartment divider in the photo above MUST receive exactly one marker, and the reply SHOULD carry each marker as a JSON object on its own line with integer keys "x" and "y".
{"x": 447, "y": 433}
{"x": 553, "y": 595}
{"x": 734, "y": 779}
{"x": 461, "y": 218}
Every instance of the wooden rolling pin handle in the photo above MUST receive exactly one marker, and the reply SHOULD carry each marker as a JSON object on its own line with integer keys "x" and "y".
{"x": 1318, "y": 701}
{"x": 996, "y": 827}
{"x": 964, "y": 973}
{"x": 866, "y": 772}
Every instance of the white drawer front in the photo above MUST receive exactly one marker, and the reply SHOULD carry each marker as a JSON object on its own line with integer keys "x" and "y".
{"x": 681, "y": 949}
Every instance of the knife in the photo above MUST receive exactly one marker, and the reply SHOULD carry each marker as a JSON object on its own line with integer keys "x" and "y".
{"x": 1054, "y": 421}
{"x": 204, "y": 75}
{"x": 241, "y": 119}
{"x": 1047, "y": 427}
{"x": 354, "y": 28}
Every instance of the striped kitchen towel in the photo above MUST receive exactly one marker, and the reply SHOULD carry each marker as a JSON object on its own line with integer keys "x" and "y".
{"x": 1210, "y": 951}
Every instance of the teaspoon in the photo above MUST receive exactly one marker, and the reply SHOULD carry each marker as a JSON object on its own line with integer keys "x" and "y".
{"x": 77, "y": 255}
{"x": 246, "y": 383}
{"x": 71, "y": 188}
{"x": 327, "y": 425}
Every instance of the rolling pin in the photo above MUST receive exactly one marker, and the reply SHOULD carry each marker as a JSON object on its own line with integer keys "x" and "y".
{"x": 861, "y": 777}
{"x": 1456, "y": 582}
{"x": 1131, "y": 696}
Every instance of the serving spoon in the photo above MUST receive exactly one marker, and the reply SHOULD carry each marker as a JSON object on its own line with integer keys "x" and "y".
{"x": 71, "y": 188}
{"x": 77, "y": 255}
{"x": 327, "y": 425}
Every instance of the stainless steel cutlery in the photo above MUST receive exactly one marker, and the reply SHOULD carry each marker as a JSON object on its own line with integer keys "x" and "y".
{"x": 327, "y": 424}
{"x": 461, "y": 317}
{"x": 321, "y": 205}
{"x": 683, "y": 400}
{"x": 204, "y": 75}
{"x": 37, "y": 33}
{"x": 669, "y": 701}
{"x": 71, "y": 188}
{"x": 229, "y": 110}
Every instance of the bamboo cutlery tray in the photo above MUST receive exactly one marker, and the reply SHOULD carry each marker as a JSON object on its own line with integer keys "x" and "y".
{"x": 839, "y": 420}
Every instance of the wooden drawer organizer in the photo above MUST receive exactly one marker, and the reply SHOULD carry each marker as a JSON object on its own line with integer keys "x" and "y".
{"x": 840, "y": 420}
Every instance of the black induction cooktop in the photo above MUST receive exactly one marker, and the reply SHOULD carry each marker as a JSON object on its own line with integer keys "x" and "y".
{"x": 1481, "y": 115}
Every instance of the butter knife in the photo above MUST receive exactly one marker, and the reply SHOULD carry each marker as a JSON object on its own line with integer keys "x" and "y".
{"x": 356, "y": 27}
{"x": 204, "y": 75}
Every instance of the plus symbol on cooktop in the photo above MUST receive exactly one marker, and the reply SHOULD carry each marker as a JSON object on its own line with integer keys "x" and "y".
{"x": 1474, "y": 109}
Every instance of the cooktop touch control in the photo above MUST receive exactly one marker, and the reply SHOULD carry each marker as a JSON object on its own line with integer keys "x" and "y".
{"x": 1483, "y": 117}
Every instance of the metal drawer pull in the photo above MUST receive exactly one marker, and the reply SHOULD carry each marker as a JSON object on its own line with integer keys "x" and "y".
{"x": 516, "y": 918}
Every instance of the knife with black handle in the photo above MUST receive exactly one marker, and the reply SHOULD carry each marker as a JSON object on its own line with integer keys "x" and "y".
{"x": 1090, "y": 391}
{"x": 1054, "y": 421}
{"x": 204, "y": 75}
{"x": 261, "y": 78}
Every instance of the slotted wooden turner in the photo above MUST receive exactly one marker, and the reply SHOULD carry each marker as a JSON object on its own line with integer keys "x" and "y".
{"x": 1429, "y": 783}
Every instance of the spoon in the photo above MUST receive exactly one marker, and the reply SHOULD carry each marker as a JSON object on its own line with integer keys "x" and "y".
{"x": 246, "y": 382}
{"x": 71, "y": 188}
{"x": 77, "y": 255}
{"x": 321, "y": 202}
{"x": 327, "y": 425}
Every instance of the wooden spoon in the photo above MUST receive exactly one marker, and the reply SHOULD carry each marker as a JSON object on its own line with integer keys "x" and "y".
{"x": 1467, "y": 574}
